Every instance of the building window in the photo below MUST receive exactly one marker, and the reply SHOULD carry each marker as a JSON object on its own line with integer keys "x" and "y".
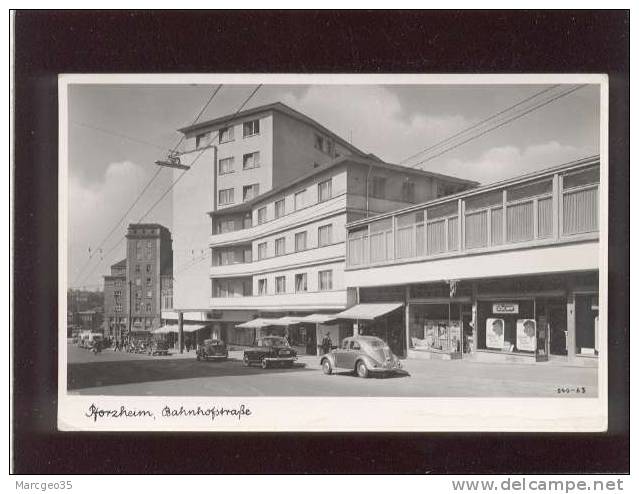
{"x": 300, "y": 241}
{"x": 324, "y": 235}
{"x": 319, "y": 142}
{"x": 148, "y": 307}
{"x": 261, "y": 215}
{"x": 300, "y": 282}
{"x": 138, "y": 281}
{"x": 137, "y": 268}
{"x": 200, "y": 140}
{"x": 330, "y": 147}
{"x": 226, "y": 135}
{"x": 226, "y": 166}
{"x": 261, "y": 286}
{"x": 118, "y": 307}
{"x": 149, "y": 294}
{"x": 280, "y": 284}
{"x": 137, "y": 307}
{"x": 251, "y": 128}
{"x": 149, "y": 282}
{"x": 324, "y": 190}
{"x": 379, "y": 187}
{"x": 118, "y": 282}
{"x": 408, "y": 191}
{"x": 299, "y": 199}
{"x": 261, "y": 251}
{"x": 251, "y": 160}
{"x": 148, "y": 268}
{"x": 279, "y": 208}
{"x": 149, "y": 249}
{"x": 226, "y": 196}
{"x": 325, "y": 280}
{"x": 250, "y": 191}
{"x": 280, "y": 246}
{"x": 117, "y": 293}
{"x": 138, "y": 249}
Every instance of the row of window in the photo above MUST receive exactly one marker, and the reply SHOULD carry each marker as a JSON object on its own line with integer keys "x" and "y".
{"x": 149, "y": 281}
{"x": 227, "y": 134}
{"x": 148, "y": 268}
{"x": 138, "y": 307}
{"x": 324, "y": 237}
{"x": 324, "y": 283}
{"x": 227, "y": 196}
{"x": 324, "y": 193}
{"x": 139, "y": 249}
{"x": 249, "y": 161}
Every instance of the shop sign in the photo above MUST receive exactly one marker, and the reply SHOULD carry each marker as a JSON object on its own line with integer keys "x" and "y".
{"x": 506, "y": 308}
{"x": 526, "y": 335}
{"x": 495, "y": 333}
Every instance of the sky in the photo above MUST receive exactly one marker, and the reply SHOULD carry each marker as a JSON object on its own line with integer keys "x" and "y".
{"x": 116, "y": 132}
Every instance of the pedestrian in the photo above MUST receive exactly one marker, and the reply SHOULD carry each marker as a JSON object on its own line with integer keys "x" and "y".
{"x": 327, "y": 343}
{"x": 116, "y": 347}
{"x": 188, "y": 346}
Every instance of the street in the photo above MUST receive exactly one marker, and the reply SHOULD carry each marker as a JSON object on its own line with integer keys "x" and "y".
{"x": 124, "y": 374}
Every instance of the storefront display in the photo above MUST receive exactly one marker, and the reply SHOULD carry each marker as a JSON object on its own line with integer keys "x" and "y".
{"x": 507, "y": 326}
{"x": 495, "y": 333}
{"x": 435, "y": 327}
{"x": 526, "y": 335}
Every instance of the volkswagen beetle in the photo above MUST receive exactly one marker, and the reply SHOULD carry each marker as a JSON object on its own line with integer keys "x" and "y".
{"x": 366, "y": 355}
{"x": 270, "y": 350}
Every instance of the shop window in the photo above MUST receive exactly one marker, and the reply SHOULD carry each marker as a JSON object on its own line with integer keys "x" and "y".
{"x": 587, "y": 324}
{"x": 507, "y": 326}
{"x": 435, "y": 327}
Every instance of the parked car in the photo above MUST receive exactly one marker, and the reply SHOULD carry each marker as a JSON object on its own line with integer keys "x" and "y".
{"x": 366, "y": 355}
{"x": 158, "y": 347}
{"x": 270, "y": 350}
{"x": 212, "y": 350}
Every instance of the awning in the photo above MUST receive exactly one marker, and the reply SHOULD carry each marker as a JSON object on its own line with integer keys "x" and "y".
{"x": 368, "y": 311}
{"x": 318, "y": 318}
{"x": 173, "y": 328}
{"x": 287, "y": 321}
{"x": 260, "y": 322}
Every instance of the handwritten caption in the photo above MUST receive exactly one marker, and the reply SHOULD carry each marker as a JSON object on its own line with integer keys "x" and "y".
{"x": 96, "y": 413}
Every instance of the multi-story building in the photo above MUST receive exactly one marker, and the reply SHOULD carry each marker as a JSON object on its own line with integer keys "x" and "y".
{"x": 506, "y": 271}
{"x": 116, "y": 301}
{"x": 139, "y": 286}
{"x": 149, "y": 262}
{"x": 232, "y": 160}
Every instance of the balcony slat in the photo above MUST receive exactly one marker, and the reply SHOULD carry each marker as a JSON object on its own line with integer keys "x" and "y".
{"x": 581, "y": 211}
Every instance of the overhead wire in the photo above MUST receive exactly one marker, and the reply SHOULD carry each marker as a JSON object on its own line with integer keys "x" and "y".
{"x": 139, "y": 196}
{"x": 499, "y": 125}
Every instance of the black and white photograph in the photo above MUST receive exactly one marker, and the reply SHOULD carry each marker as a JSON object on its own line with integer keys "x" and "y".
{"x": 333, "y": 242}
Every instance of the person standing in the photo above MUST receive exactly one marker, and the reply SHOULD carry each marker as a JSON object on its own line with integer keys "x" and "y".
{"x": 327, "y": 343}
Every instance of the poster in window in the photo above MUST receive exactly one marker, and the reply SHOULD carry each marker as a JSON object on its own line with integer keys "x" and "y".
{"x": 526, "y": 335}
{"x": 495, "y": 333}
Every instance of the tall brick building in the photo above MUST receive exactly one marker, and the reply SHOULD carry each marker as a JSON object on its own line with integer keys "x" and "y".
{"x": 138, "y": 284}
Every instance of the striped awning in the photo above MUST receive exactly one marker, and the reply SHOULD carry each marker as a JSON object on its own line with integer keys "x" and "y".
{"x": 368, "y": 312}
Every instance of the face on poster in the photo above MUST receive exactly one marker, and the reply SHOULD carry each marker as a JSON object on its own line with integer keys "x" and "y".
{"x": 495, "y": 333}
{"x": 526, "y": 334}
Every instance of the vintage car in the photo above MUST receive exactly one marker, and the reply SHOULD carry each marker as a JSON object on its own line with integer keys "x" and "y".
{"x": 158, "y": 347}
{"x": 366, "y": 355}
{"x": 270, "y": 350}
{"x": 212, "y": 350}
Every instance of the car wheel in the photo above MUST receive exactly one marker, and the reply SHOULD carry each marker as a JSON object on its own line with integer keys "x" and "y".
{"x": 246, "y": 361}
{"x": 264, "y": 364}
{"x": 326, "y": 367}
{"x": 362, "y": 371}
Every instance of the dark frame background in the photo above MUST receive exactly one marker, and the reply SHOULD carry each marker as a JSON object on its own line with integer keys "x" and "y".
{"x": 51, "y": 42}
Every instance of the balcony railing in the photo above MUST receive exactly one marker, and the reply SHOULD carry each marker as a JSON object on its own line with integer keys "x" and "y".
{"x": 547, "y": 207}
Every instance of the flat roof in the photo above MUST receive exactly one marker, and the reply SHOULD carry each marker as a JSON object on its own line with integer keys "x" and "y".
{"x": 278, "y": 106}
{"x": 248, "y": 205}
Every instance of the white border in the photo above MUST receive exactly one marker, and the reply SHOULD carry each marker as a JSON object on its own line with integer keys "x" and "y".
{"x": 339, "y": 413}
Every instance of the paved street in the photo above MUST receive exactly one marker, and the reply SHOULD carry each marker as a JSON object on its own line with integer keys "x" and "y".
{"x": 120, "y": 373}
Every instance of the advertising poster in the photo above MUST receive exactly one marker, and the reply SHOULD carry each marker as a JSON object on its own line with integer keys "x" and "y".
{"x": 495, "y": 333}
{"x": 526, "y": 335}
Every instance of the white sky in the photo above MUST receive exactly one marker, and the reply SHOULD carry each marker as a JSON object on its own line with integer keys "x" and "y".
{"x": 106, "y": 172}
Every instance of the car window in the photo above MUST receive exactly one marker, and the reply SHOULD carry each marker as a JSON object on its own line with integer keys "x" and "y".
{"x": 345, "y": 344}
{"x": 355, "y": 345}
{"x": 376, "y": 344}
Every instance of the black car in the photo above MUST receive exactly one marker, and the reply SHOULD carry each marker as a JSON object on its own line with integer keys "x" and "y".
{"x": 270, "y": 350}
{"x": 212, "y": 350}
